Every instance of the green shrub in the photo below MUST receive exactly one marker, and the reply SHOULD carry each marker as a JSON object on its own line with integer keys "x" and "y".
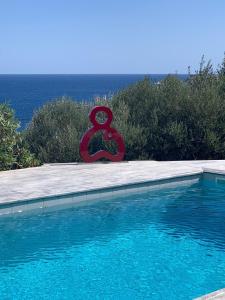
{"x": 180, "y": 119}
{"x": 55, "y": 130}
{"x": 173, "y": 120}
{"x": 13, "y": 151}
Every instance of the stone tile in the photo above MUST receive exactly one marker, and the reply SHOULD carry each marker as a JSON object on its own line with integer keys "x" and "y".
{"x": 61, "y": 179}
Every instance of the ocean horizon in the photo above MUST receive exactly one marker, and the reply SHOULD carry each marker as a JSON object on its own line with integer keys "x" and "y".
{"x": 28, "y": 92}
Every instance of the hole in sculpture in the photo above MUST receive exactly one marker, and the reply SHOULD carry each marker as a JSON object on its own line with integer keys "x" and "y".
{"x": 101, "y": 117}
{"x": 98, "y": 143}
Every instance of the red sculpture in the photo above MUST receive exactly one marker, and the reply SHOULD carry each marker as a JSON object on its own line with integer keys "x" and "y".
{"x": 109, "y": 133}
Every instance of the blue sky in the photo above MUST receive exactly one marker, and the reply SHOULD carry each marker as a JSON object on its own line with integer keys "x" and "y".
{"x": 109, "y": 36}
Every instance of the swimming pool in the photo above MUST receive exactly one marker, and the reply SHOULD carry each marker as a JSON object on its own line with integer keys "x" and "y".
{"x": 167, "y": 242}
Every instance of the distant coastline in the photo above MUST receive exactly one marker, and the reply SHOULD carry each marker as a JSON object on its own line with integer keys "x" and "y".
{"x": 27, "y": 92}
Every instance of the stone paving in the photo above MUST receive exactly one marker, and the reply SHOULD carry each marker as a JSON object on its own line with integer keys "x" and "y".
{"x": 59, "y": 179}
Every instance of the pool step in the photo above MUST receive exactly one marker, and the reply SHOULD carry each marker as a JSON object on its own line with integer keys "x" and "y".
{"x": 217, "y": 295}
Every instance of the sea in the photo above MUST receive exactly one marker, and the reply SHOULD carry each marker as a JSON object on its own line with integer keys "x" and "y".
{"x": 26, "y": 93}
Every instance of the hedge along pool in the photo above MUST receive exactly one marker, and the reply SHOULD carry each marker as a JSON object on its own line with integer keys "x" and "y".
{"x": 165, "y": 242}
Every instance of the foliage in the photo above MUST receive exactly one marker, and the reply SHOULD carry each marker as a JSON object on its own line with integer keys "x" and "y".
{"x": 55, "y": 130}
{"x": 180, "y": 120}
{"x": 13, "y": 151}
{"x": 173, "y": 120}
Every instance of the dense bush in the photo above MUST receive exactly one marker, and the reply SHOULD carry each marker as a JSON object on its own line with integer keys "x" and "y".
{"x": 173, "y": 120}
{"x": 56, "y": 129}
{"x": 180, "y": 120}
{"x": 13, "y": 150}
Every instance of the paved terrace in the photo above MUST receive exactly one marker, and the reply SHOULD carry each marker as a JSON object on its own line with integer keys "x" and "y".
{"x": 58, "y": 179}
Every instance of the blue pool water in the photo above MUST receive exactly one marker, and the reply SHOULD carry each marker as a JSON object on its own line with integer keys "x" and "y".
{"x": 167, "y": 243}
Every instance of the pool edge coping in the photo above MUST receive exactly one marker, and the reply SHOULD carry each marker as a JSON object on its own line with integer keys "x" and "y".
{"x": 107, "y": 189}
{"x": 116, "y": 187}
